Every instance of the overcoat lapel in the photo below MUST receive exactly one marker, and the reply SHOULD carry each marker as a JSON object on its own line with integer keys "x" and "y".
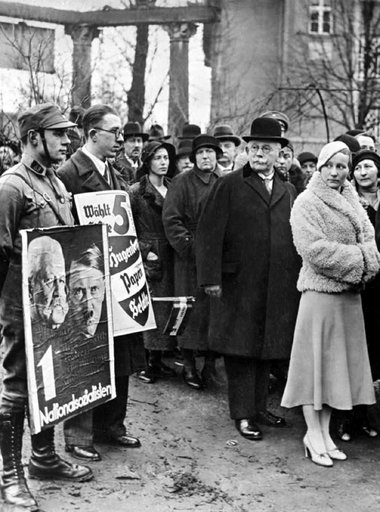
{"x": 92, "y": 179}
{"x": 278, "y": 190}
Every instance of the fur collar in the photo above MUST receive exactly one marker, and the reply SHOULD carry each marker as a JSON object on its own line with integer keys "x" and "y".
{"x": 150, "y": 193}
{"x": 346, "y": 201}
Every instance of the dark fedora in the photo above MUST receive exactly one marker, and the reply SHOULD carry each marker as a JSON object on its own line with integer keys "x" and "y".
{"x": 225, "y": 132}
{"x": 205, "y": 141}
{"x": 156, "y": 132}
{"x": 190, "y": 131}
{"x": 184, "y": 148}
{"x": 264, "y": 128}
{"x": 134, "y": 130}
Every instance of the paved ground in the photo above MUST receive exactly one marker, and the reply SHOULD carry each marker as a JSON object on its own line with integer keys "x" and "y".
{"x": 192, "y": 459}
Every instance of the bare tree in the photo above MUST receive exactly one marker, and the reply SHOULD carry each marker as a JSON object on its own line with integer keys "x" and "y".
{"x": 340, "y": 78}
{"x": 31, "y": 52}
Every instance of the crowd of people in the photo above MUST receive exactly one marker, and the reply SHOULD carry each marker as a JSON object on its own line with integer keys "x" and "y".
{"x": 279, "y": 252}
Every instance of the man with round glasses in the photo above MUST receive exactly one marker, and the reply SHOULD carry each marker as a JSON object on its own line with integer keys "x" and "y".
{"x": 90, "y": 170}
{"x": 247, "y": 264}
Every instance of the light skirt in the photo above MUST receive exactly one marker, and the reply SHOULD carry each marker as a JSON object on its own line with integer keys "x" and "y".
{"x": 329, "y": 361}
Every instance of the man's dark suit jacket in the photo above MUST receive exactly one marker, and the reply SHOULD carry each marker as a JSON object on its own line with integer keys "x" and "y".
{"x": 80, "y": 175}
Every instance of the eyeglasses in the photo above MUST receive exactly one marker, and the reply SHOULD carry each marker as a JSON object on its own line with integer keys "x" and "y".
{"x": 266, "y": 149}
{"x": 117, "y": 132}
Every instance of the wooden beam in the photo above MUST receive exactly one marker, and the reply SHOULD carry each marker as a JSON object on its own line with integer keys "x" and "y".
{"x": 109, "y": 17}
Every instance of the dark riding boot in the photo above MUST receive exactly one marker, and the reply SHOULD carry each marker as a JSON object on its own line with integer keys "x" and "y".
{"x": 14, "y": 488}
{"x": 46, "y": 464}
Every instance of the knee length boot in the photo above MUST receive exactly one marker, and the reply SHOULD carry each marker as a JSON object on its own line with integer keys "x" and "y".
{"x": 14, "y": 488}
{"x": 46, "y": 464}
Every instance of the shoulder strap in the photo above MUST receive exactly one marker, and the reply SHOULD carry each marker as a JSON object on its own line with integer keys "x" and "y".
{"x": 48, "y": 200}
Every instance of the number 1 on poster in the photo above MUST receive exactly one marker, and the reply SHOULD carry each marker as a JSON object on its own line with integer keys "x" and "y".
{"x": 48, "y": 378}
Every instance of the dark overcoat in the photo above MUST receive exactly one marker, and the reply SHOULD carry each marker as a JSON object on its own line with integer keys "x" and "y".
{"x": 147, "y": 205}
{"x": 183, "y": 206}
{"x": 127, "y": 172}
{"x": 244, "y": 243}
{"x": 80, "y": 175}
{"x": 371, "y": 305}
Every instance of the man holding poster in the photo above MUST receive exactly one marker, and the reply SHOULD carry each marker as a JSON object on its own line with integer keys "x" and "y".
{"x": 31, "y": 196}
{"x": 89, "y": 170}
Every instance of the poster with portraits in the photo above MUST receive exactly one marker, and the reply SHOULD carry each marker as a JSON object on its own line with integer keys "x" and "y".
{"x": 131, "y": 302}
{"x": 67, "y": 322}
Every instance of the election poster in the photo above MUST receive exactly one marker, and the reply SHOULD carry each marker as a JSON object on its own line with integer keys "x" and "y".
{"x": 131, "y": 302}
{"x": 68, "y": 331}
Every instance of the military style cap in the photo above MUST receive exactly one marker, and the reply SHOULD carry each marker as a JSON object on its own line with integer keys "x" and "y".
{"x": 278, "y": 116}
{"x": 45, "y": 116}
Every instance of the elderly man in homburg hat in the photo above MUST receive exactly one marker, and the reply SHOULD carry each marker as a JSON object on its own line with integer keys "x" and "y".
{"x": 247, "y": 263}
{"x": 182, "y": 208}
{"x": 31, "y": 196}
{"x": 229, "y": 143}
{"x": 128, "y": 161}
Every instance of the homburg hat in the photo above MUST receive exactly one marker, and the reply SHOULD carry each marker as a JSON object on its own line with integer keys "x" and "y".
{"x": 263, "y": 128}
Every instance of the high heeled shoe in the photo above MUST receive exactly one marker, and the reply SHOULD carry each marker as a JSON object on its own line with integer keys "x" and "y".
{"x": 336, "y": 454}
{"x": 321, "y": 459}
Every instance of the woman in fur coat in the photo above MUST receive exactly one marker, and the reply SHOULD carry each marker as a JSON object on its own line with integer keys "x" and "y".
{"x": 329, "y": 366}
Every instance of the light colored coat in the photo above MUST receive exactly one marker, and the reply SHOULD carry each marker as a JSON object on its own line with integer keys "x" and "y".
{"x": 334, "y": 237}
